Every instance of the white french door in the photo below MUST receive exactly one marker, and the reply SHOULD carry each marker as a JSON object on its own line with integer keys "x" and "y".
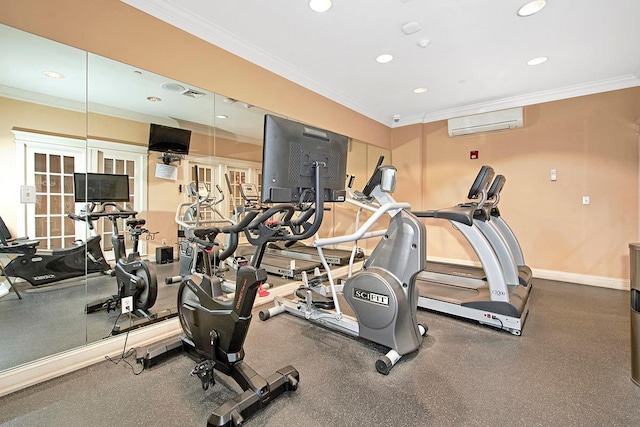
{"x": 49, "y": 164}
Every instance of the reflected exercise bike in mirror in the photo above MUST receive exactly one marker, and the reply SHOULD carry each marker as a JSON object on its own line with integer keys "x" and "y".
{"x": 136, "y": 279}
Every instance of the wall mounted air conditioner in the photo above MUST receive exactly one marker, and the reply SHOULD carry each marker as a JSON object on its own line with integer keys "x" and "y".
{"x": 487, "y": 122}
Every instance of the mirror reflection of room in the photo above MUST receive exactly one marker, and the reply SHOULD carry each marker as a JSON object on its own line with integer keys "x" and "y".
{"x": 89, "y": 116}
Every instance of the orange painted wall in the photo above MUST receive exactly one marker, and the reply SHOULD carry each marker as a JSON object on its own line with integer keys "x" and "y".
{"x": 591, "y": 141}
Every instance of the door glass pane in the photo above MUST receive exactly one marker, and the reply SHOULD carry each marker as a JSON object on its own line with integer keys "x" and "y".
{"x": 68, "y": 184}
{"x": 54, "y": 164}
{"x": 41, "y": 227}
{"x": 55, "y": 224}
{"x": 41, "y": 183}
{"x": 54, "y": 184}
{"x": 56, "y": 205}
{"x": 41, "y": 204}
{"x": 69, "y": 165}
{"x": 40, "y": 162}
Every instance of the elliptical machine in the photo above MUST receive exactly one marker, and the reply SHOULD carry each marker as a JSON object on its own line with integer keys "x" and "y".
{"x": 202, "y": 212}
{"x": 383, "y": 295}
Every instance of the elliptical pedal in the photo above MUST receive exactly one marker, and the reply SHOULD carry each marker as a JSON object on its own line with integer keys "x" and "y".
{"x": 316, "y": 299}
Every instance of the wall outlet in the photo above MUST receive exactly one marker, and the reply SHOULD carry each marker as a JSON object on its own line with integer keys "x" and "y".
{"x": 585, "y": 200}
{"x": 126, "y": 305}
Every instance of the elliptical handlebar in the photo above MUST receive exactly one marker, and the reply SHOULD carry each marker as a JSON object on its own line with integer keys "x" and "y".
{"x": 89, "y": 215}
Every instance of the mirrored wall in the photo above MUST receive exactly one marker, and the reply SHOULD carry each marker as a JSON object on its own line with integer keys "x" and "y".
{"x": 65, "y": 112}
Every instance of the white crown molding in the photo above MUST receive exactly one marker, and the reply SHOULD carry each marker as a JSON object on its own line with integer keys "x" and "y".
{"x": 622, "y": 82}
{"x": 42, "y": 99}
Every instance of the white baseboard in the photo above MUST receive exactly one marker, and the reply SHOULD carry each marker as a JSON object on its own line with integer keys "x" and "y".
{"x": 561, "y": 276}
{"x": 583, "y": 279}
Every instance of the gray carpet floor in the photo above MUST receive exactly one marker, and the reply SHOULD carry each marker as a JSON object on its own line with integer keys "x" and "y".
{"x": 570, "y": 367}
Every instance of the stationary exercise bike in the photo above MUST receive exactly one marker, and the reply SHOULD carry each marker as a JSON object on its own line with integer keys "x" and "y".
{"x": 137, "y": 286}
{"x": 42, "y": 267}
{"x": 383, "y": 294}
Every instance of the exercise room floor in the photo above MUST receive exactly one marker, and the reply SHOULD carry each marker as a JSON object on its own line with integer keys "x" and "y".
{"x": 570, "y": 367}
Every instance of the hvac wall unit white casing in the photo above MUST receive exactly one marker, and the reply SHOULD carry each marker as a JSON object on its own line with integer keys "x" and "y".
{"x": 487, "y": 122}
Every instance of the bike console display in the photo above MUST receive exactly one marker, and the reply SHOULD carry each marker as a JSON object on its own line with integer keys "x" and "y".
{"x": 100, "y": 187}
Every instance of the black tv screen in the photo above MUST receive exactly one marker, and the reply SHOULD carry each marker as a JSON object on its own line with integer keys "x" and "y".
{"x": 100, "y": 187}
{"x": 289, "y": 152}
{"x": 166, "y": 139}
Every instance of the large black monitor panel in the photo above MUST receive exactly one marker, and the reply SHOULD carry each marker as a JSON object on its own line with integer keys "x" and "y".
{"x": 289, "y": 152}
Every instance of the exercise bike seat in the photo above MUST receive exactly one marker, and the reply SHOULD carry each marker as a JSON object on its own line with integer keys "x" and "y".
{"x": 135, "y": 222}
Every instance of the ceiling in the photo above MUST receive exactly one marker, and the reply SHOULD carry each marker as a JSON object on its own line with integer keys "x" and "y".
{"x": 476, "y": 59}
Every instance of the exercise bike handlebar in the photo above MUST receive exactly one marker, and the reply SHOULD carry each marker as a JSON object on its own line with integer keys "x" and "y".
{"x": 266, "y": 234}
{"x": 92, "y": 215}
{"x": 233, "y": 231}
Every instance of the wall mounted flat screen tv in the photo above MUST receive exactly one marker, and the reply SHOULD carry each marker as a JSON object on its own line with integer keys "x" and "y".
{"x": 100, "y": 187}
{"x": 166, "y": 139}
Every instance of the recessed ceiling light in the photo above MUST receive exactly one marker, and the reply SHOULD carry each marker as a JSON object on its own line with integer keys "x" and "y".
{"x": 383, "y": 59}
{"x": 531, "y": 8}
{"x": 537, "y": 61}
{"x": 221, "y": 116}
{"x": 320, "y": 5}
{"x": 420, "y": 90}
{"x": 53, "y": 75}
{"x": 154, "y": 98}
{"x": 173, "y": 87}
{"x": 424, "y": 43}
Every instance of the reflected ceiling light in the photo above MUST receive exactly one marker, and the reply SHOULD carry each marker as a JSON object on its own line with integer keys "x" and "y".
{"x": 154, "y": 99}
{"x": 420, "y": 90}
{"x": 229, "y": 101}
{"x": 173, "y": 87}
{"x": 320, "y": 5}
{"x": 537, "y": 61}
{"x": 383, "y": 59}
{"x": 53, "y": 74}
{"x": 531, "y": 8}
{"x": 221, "y": 116}
{"x": 424, "y": 43}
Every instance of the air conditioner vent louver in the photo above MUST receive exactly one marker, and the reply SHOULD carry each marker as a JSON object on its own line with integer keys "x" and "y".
{"x": 486, "y": 122}
{"x": 193, "y": 93}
